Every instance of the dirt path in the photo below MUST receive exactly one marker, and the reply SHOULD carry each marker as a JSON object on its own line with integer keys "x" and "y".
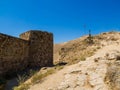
{"x": 51, "y": 81}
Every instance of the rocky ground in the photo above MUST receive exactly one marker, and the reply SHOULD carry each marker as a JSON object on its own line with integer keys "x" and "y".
{"x": 98, "y": 72}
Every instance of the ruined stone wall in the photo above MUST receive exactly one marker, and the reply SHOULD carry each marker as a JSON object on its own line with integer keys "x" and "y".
{"x": 32, "y": 49}
{"x": 41, "y": 48}
{"x": 13, "y": 54}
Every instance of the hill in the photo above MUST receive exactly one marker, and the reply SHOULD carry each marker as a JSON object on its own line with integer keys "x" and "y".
{"x": 78, "y": 49}
{"x": 90, "y": 66}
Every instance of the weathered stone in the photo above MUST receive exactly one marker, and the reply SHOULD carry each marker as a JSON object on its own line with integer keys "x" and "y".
{"x": 40, "y": 49}
{"x": 32, "y": 49}
{"x": 113, "y": 55}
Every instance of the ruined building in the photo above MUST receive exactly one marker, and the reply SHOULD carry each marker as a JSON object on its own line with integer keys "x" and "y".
{"x": 32, "y": 49}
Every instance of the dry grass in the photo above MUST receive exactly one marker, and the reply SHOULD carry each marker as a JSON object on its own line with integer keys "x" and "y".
{"x": 75, "y": 50}
{"x": 38, "y": 77}
{"x": 22, "y": 87}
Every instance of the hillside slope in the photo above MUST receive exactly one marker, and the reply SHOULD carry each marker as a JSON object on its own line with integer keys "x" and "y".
{"x": 97, "y": 66}
{"x": 76, "y": 50}
{"x": 98, "y": 72}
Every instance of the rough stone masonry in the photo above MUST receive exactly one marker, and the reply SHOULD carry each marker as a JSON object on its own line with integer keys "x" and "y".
{"x": 33, "y": 49}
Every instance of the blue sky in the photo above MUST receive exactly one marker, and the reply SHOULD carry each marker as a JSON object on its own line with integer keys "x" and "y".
{"x": 64, "y": 18}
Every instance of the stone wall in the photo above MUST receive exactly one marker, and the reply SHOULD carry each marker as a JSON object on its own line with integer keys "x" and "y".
{"x": 41, "y": 48}
{"x": 32, "y": 49}
{"x": 13, "y": 54}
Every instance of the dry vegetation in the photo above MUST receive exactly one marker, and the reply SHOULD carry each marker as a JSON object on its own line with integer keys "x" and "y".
{"x": 37, "y": 77}
{"x": 72, "y": 52}
{"x": 79, "y": 49}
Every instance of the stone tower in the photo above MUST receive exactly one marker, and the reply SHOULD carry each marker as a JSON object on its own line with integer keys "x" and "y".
{"x": 40, "y": 48}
